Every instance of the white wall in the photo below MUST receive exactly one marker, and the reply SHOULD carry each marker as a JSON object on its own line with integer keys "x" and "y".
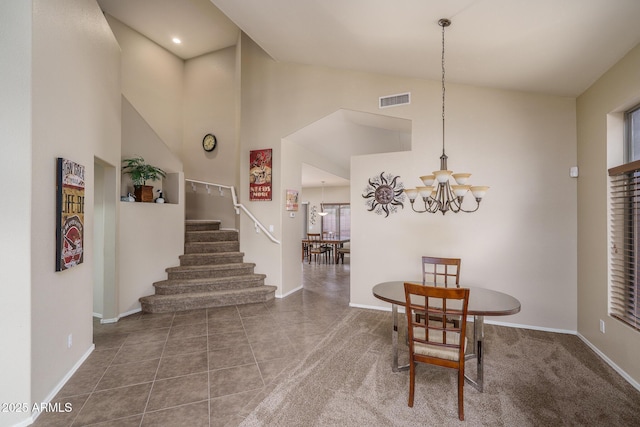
{"x": 15, "y": 215}
{"x": 599, "y": 147}
{"x": 210, "y": 107}
{"x": 76, "y": 115}
{"x": 152, "y": 81}
{"x": 523, "y": 239}
{"x": 152, "y": 239}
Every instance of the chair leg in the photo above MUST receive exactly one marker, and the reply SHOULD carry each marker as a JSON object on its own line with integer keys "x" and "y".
{"x": 412, "y": 382}
{"x": 461, "y": 394}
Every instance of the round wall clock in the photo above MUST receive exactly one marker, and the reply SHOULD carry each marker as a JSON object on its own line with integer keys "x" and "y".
{"x": 209, "y": 142}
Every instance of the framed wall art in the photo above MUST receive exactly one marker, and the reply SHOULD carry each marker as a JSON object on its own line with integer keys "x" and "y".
{"x": 292, "y": 200}
{"x": 260, "y": 187}
{"x": 69, "y": 214}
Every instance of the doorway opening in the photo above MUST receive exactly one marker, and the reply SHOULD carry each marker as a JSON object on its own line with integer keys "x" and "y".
{"x": 105, "y": 301}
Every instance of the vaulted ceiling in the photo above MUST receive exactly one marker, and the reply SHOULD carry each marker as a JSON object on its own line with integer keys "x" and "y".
{"x": 557, "y": 47}
{"x": 550, "y": 46}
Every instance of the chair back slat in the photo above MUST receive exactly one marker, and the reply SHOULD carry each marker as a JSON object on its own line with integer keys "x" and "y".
{"x": 441, "y": 271}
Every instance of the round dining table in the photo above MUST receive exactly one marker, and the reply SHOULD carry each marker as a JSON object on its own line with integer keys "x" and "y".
{"x": 482, "y": 302}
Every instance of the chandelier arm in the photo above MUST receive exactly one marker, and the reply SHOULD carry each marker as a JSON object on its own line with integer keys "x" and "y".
{"x": 415, "y": 210}
{"x": 441, "y": 198}
{"x": 455, "y": 202}
{"x": 473, "y": 210}
{"x": 433, "y": 205}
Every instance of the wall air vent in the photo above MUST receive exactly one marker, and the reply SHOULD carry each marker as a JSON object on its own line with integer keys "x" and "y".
{"x": 393, "y": 100}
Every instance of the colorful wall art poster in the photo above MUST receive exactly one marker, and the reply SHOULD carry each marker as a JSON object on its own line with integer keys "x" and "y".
{"x": 292, "y": 200}
{"x": 260, "y": 175}
{"x": 70, "y": 214}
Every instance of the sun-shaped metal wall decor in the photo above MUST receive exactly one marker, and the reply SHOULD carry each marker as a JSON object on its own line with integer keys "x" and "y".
{"x": 384, "y": 194}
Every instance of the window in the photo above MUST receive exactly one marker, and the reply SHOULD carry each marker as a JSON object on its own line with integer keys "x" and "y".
{"x": 624, "y": 298}
{"x": 632, "y": 124}
{"x": 337, "y": 222}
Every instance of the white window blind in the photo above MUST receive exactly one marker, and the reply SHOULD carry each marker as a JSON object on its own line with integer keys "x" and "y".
{"x": 625, "y": 243}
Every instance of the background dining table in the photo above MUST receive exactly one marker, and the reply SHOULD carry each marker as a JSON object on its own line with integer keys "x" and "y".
{"x": 335, "y": 242}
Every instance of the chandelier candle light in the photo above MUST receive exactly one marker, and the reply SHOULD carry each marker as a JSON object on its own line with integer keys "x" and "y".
{"x": 444, "y": 197}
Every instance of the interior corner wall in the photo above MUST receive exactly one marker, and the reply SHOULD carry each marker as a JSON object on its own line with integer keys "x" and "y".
{"x": 15, "y": 218}
{"x": 618, "y": 89}
{"x": 210, "y": 107}
{"x": 75, "y": 115}
{"x": 151, "y": 235}
{"x": 152, "y": 81}
{"x": 522, "y": 240}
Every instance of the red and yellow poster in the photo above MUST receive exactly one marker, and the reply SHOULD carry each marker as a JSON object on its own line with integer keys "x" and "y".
{"x": 260, "y": 175}
{"x": 70, "y": 214}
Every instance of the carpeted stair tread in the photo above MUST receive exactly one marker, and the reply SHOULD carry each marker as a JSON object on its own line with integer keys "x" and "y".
{"x": 211, "y": 258}
{"x": 218, "y": 279}
{"x": 211, "y": 236}
{"x": 209, "y": 267}
{"x": 211, "y": 247}
{"x": 199, "y": 224}
{"x": 212, "y": 270}
{"x": 196, "y": 300}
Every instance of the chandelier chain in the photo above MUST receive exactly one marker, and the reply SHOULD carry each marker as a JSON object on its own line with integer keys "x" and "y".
{"x": 443, "y": 24}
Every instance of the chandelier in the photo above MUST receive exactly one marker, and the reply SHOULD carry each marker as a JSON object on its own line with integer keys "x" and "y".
{"x": 442, "y": 196}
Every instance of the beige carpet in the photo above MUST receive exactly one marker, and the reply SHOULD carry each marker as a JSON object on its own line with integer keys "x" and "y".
{"x": 531, "y": 379}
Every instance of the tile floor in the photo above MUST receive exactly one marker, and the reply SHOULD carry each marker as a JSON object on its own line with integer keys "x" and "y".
{"x": 202, "y": 367}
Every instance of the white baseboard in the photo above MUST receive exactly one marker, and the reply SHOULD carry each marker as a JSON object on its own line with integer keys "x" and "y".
{"x": 610, "y": 362}
{"x": 59, "y": 386}
{"x": 490, "y": 322}
{"x": 105, "y": 321}
{"x": 130, "y": 312}
{"x": 290, "y": 292}
{"x": 375, "y": 307}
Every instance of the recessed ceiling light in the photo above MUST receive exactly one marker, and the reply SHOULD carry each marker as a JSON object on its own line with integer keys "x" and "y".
{"x": 176, "y": 40}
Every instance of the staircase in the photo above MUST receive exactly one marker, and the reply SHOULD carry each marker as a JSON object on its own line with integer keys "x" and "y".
{"x": 211, "y": 274}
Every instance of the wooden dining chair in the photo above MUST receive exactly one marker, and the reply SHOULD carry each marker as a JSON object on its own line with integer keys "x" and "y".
{"x": 437, "y": 343}
{"x": 441, "y": 271}
{"x": 316, "y": 248}
{"x": 438, "y": 271}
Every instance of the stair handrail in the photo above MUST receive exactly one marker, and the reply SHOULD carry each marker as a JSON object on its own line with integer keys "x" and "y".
{"x": 237, "y": 206}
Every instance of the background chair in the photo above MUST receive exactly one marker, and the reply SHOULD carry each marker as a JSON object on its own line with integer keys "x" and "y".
{"x": 316, "y": 248}
{"x": 342, "y": 252}
{"x": 441, "y": 271}
{"x": 437, "y": 343}
{"x": 327, "y": 235}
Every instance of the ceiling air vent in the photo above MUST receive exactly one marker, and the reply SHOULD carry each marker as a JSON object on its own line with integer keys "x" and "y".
{"x": 393, "y": 100}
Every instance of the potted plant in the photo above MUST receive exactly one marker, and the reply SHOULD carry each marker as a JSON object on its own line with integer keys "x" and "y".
{"x": 140, "y": 173}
